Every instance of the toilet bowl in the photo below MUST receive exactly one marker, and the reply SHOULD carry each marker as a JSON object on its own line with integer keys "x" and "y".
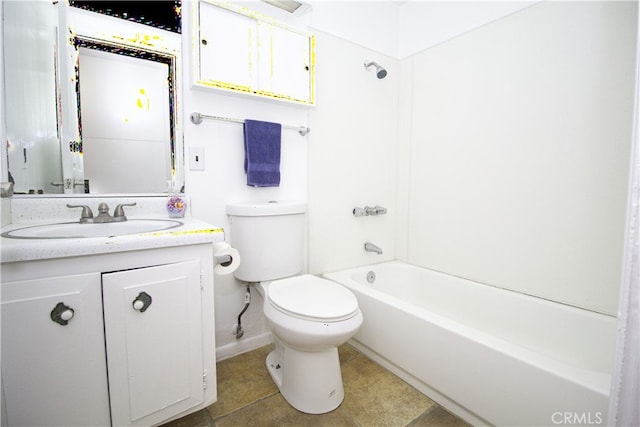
{"x": 309, "y": 316}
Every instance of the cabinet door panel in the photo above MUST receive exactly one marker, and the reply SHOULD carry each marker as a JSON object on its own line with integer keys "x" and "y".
{"x": 154, "y": 349}
{"x": 54, "y": 374}
{"x": 284, "y": 63}
{"x": 227, "y": 48}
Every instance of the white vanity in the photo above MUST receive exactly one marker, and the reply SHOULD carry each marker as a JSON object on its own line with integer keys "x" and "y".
{"x": 108, "y": 330}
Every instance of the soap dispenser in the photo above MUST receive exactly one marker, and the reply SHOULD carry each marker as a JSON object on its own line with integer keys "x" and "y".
{"x": 176, "y": 203}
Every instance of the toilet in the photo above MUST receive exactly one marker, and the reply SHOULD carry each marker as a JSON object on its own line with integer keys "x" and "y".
{"x": 308, "y": 316}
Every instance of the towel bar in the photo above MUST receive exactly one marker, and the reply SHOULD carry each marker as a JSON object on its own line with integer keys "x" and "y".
{"x": 196, "y": 119}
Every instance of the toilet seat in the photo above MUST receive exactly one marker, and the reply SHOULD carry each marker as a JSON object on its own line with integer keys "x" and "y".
{"x": 312, "y": 298}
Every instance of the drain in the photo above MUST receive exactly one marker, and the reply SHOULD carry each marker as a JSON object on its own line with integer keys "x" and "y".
{"x": 371, "y": 277}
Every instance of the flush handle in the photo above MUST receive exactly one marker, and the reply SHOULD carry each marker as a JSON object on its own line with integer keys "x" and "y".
{"x": 61, "y": 314}
{"x": 142, "y": 302}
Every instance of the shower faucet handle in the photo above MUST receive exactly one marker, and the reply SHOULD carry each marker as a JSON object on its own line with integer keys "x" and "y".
{"x": 377, "y": 210}
{"x": 380, "y": 210}
{"x": 370, "y": 211}
{"x": 359, "y": 212}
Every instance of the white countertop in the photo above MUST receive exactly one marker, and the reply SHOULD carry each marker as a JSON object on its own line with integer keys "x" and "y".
{"x": 32, "y": 211}
{"x": 192, "y": 232}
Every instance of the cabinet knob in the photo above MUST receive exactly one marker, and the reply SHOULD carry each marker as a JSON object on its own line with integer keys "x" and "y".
{"x": 61, "y": 314}
{"x": 142, "y": 302}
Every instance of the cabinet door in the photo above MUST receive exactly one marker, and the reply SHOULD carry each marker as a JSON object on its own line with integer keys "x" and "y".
{"x": 227, "y": 47}
{"x": 153, "y": 328}
{"x": 284, "y": 63}
{"x": 54, "y": 374}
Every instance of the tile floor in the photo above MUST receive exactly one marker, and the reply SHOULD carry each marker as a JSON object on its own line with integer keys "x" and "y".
{"x": 374, "y": 397}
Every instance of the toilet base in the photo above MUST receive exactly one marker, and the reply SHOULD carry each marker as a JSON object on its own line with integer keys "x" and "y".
{"x": 310, "y": 381}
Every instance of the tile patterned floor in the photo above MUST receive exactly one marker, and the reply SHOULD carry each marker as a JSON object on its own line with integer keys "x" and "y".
{"x": 374, "y": 397}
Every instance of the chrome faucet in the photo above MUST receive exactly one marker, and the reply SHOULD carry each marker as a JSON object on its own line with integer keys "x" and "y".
{"x": 103, "y": 213}
{"x": 118, "y": 213}
{"x": 370, "y": 247}
{"x": 376, "y": 210}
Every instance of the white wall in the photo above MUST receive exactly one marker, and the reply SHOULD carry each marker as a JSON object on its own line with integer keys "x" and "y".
{"x": 370, "y": 24}
{"x": 519, "y": 152}
{"x": 351, "y": 149}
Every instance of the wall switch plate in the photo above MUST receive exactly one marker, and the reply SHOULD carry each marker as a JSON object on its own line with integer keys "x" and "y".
{"x": 196, "y": 158}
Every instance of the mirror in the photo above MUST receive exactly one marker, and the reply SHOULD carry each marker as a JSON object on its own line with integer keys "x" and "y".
{"x": 91, "y": 101}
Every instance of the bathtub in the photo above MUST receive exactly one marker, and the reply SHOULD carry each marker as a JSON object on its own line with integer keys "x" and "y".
{"x": 488, "y": 355}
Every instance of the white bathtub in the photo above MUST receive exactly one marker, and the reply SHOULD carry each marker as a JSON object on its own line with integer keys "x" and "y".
{"x": 489, "y": 355}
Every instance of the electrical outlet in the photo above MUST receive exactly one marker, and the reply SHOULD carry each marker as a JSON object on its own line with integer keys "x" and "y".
{"x": 196, "y": 158}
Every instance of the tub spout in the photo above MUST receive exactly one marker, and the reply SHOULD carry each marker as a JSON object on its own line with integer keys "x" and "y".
{"x": 370, "y": 247}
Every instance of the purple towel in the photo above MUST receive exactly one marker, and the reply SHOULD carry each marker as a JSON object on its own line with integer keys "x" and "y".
{"x": 262, "y": 153}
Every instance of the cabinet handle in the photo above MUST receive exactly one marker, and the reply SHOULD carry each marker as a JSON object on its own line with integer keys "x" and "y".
{"x": 142, "y": 302}
{"x": 61, "y": 314}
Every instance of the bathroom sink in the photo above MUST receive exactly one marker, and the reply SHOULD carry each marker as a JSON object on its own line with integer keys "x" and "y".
{"x": 69, "y": 230}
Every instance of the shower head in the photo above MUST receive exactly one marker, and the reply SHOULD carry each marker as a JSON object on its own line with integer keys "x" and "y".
{"x": 381, "y": 73}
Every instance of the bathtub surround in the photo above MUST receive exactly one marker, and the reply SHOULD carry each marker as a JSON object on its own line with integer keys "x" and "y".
{"x": 352, "y": 149}
{"x": 520, "y": 152}
{"x": 512, "y": 155}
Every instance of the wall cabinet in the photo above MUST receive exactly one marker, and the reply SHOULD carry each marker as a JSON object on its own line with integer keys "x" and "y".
{"x": 245, "y": 53}
{"x": 109, "y": 347}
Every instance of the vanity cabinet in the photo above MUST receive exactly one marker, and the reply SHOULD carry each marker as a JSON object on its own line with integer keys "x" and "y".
{"x": 128, "y": 340}
{"x": 245, "y": 53}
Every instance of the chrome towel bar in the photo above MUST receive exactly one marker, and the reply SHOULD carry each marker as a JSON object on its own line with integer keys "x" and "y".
{"x": 196, "y": 119}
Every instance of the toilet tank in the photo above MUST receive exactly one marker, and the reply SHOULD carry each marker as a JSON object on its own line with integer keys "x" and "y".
{"x": 269, "y": 237}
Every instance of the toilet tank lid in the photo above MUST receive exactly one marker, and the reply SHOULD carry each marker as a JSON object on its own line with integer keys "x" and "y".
{"x": 273, "y": 207}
